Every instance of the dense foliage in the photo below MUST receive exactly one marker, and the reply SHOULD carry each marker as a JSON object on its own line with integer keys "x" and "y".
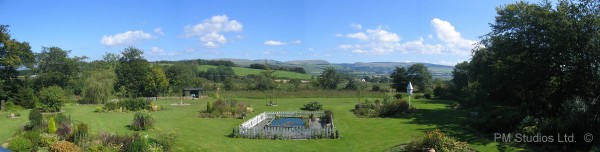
{"x": 312, "y": 106}
{"x": 133, "y": 104}
{"x": 329, "y": 79}
{"x": 280, "y": 68}
{"x": 378, "y": 108}
{"x": 226, "y": 109}
{"x": 417, "y": 74}
{"x": 132, "y": 71}
{"x": 53, "y": 98}
{"x": 142, "y": 121}
{"x": 437, "y": 140}
{"x": 541, "y": 60}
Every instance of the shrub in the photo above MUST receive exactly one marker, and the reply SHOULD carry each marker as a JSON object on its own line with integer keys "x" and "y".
{"x": 225, "y": 109}
{"x": 64, "y": 146}
{"x": 395, "y": 108}
{"x": 26, "y": 98}
{"x": 437, "y": 140}
{"x": 328, "y": 118}
{"x": 135, "y": 104}
{"x": 138, "y": 146}
{"x": 64, "y": 130}
{"x": 114, "y": 139}
{"x": 33, "y": 136}
{"x": 35, "y": 118}
{"x": 337, "y": 134}
{"x": 427, "y": 96}
{"x": 142, "y": 121}
{"x": 53, "y": 98}
{"x": 52, "y": 126}
{"x": 110, "y": 106}
{"x": 398, "y": 96}
{"x": 313, "y": 106}
{"x": 375, "y": 88}
{"x": 60, "y": 118}
{"x": 47, "y": 139}
{"x": 20, "y": 144}
{"x": 11, "y": 107}
{"x": 208, "y": 107}
{"x": 167, "y": 138}
{"x": 99, "y": 109}
{"x": 81, "y": 133}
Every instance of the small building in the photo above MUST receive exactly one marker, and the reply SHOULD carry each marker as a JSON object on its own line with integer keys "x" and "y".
{"x": 192, "y": 92}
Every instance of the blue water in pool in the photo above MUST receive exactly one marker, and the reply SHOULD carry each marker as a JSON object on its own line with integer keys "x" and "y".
{"x": 287, "y": 122}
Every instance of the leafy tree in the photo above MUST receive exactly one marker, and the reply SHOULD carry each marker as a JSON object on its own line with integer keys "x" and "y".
{"x": 228, "y": 84}
{"x": 329, "y": 79}
{"x": 296, "y": 83}
{"x": 351, "y": 84}
{"x": 54, "y": 67}
{"x": 53, "y": 98}
{"x": 99, "y": 85}
{"x": 180, "y": 75}
{"x": 132, "y": 71}
{"x": 35, "y": 118}
{"x": 13, "y": 55}
{"x": 26, "y": 98}
{"x": 265, "y": 80}
{"x": 417, "y": 74}
{"x": 157, "y": 82}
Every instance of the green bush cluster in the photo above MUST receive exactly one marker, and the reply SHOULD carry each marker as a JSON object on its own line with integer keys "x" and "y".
{"x": 142, "y": 121}
{"x": 64, "y": 146}
{"x": 437, "y": 140}
{"x": 394, "y": 108}
{"x": 135, "y": 104}
{"x": 20, "y": 144}
{"x": 312, "y": 106}
{"x": 225, "y": 109}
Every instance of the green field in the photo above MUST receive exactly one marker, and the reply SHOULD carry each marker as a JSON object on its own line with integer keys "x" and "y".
{"x": 241, "y": 71}
{"x": 210, "y": 134}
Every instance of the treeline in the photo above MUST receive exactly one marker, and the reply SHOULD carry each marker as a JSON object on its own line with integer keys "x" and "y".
{"x": 536, "y": 72}
{"x": 202, "y": 62}
{"x": 281, "y": 68}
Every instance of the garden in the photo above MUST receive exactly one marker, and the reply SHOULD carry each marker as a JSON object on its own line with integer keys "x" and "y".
{"x": 192, "y": 133}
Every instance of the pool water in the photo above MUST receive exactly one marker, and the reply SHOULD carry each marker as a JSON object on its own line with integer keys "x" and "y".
{"x": 287, "y": 122}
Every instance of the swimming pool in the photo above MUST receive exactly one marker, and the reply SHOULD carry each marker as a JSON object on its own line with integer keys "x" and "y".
{"x": 287, "y": 122}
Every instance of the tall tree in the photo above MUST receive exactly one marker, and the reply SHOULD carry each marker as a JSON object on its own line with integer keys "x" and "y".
{"x": 13, "y": 55}
{"x": 417, "y": 74}
{"x": 54, "y": 67}
{"x": 180, "y": 75}
{"x": 132, "y": 71}
{"x": 156, "y": 82}
{"x": 99, "y": 85}
{"x": 329, "y": 79}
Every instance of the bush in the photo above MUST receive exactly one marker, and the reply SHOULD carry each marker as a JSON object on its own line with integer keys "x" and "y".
{"x": 53, "y": 98}
{"x": 395, "y": 108}
{"x": 35, "y": 118}
{"x": 167, "y": 138}
{"x": 220, "y": 108}
{"x": 64, "y": 130}
{"x": 398, "y": 96}
{"x": 99, "y": 109}
{"x": 313, "y": 106}
{"x": 208, "y": 107}
{"x": 138, "y": 146}
{"x": 375, "y": 88}
{"x": 33, "y": 136}
{"x": 437, "y": 140}
{"x": 110, "y": 106}
{"x": 142, "y": 121}
{"x": 20, "y": 144}
{"x": 64, "y": 146}
{"x": 52, "y": 126}
{"x": 114, "y": 139}
{"x": 81, "y": 133}
{"x": 26, "y": 98}
{"x": 135, "y": 104}
{"x": 427, "y": 96}
{"x": 328, "y": 117}
{"x": 47, "y": 139}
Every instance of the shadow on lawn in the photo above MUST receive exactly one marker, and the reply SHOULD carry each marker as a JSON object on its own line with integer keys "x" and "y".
{"x": 451, "y": 122}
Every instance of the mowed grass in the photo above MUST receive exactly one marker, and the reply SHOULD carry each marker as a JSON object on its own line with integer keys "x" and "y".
{"x": 210, "y": 134}
{"x": 241, "y": 71}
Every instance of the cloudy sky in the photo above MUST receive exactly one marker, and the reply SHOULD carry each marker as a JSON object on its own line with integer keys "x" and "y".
{"x": 348, "y": 31}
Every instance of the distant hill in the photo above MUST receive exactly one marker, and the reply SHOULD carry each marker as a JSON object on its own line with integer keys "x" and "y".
{"x": 314, "y": 67}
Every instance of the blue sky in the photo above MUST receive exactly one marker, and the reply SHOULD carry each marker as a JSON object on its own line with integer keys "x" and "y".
{"x": 348, "y": 31}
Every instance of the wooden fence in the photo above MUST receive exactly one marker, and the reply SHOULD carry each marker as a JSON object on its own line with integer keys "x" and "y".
{"x": 249, "y": 129}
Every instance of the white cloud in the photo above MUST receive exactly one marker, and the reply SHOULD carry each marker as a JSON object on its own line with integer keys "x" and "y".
{"x": 125, "y": 38}
{"x": 359, "y": 35}
{"x": 381, "y": 42}
{"x": 356, "y": 26}
{"x": 211, "y": 31}
{"x": 296, "y": 42}
{"x": 159, "y": 31}
{"x": 274, "y": 43}
{"x": 157, "y": 51}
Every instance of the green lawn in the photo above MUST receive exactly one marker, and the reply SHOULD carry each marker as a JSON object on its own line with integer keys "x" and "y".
{"x": 210, "y": 134}
{"x": 241, "y": 71}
